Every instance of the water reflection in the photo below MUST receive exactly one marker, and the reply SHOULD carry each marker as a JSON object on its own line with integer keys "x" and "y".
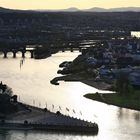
{"x": 9, "y": 55}
{"x": 4, "y": 134}
{"x": 1, "y": 55}
{"x": 41, "y": 135}
{"x": 137, "y": 116}
{"x": 135, "y": 33}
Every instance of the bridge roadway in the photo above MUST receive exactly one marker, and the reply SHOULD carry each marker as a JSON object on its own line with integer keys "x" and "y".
{"x": 67, "y": 49}
{"x": 35, "y": 49}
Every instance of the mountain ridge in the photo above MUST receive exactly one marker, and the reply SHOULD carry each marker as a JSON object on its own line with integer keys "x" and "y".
{"x": 74, "y": 9}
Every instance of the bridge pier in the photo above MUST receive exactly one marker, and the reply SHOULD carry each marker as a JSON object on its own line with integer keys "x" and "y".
{"x": 63, "y": 49}
{"x": 23, "y": 54}
{"x": 71, "y": 49}
{"x": 14, "y": 54}
{"x": 80, "y": 49}
{"x": 5, "y": 54}
{"x": 32, "y": 54}
{"x": 15, "y": 51}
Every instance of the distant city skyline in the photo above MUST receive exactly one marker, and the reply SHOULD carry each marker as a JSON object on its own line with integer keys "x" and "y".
{"x": 64, "y": 4}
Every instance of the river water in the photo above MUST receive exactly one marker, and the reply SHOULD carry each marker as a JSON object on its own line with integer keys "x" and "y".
{"x": 31, "y": 82}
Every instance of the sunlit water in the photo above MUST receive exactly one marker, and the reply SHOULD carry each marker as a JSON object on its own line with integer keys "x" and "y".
{"x": 135, "y": 33}
{"x": 31, "y": 82}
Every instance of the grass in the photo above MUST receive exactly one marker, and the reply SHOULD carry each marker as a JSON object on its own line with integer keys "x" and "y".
{"x": 129, "y": 101}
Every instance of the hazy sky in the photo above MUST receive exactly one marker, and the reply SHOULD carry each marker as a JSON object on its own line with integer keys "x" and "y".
{"x": 62, "y": 4}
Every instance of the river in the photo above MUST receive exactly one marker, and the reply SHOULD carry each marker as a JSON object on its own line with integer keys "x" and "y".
{"x": 31, "y": 82}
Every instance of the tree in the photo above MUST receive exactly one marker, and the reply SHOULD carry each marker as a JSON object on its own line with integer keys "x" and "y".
{"x": 122, "y": 84}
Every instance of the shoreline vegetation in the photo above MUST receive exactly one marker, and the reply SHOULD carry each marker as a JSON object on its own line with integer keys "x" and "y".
{"x": 131, "y": 102}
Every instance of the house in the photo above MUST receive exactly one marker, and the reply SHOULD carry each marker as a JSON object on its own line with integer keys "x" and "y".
{"x": 136, "y": 56}
{"x": 124, "y": 61}
{"x": 134, "y": 78}
{"x": 91, "y": 61}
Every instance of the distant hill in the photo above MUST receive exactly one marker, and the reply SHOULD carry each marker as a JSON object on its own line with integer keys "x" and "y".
{"x": 71, "y": 9}
{"x": 125, "y": 9}
{"x": 98, "y": 9}
{"x": 121, "y": 9}
{"x": 7, "y": 10}
{"x": 74, "y": 9}
{"x": 4, "y": 9}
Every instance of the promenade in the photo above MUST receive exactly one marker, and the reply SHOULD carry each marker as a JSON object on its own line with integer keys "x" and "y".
{"x": 38, "y": 119}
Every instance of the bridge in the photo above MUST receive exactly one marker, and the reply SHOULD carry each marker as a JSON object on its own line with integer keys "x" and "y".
{"x": 53, "y": 49}
{"x": 37, "y": 50}
{"x": 15, "y": 51}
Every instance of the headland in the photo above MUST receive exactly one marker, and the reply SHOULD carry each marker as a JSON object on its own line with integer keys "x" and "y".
{"x": 18, "y": 116}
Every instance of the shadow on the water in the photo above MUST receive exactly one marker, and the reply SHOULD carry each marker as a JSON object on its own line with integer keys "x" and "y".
{"x": 124, "y": 113}
{"x": 4, "y": 134}
{"x": 58, "y": 133}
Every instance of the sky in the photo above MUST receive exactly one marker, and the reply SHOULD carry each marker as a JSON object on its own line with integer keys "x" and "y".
{"x": 63, "y": 4}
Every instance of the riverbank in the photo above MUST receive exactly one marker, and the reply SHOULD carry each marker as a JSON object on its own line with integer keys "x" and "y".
{"x": 103, "y": 78}
{"x": 129, "y": 102}
{"x": 34, "y": 118}
{"x": 79, "y": 77}
{"x": 52, "y": 128}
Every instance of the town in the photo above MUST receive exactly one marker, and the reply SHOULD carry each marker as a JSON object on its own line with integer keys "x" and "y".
{"x": 109, "y": 65}
{"x": 106, "y": 60}
{"x": 55, "y": 61}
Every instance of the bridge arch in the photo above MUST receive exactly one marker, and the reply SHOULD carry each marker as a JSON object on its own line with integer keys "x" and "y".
{"x": 1, "y": 54}
{"x": 9, "y": 54}
{"x": 29, "y": 53}
{"x": 5, "y": 53}
{"x": 19, "y": 54}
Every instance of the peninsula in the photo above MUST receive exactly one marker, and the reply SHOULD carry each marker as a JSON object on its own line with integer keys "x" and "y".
{"x": 108, "y": 65}
{"x": 18, "y": 116}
